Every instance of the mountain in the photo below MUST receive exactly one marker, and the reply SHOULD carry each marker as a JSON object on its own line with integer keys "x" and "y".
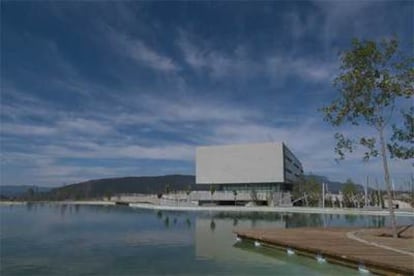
{"x": 142, "y": 185}
{"x": 333, "y": 186}
{"x": 110, "y": 186}
{"x": 17, "y": 191}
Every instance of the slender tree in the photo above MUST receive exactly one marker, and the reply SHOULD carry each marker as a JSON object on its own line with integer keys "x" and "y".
{"x": 188, "y": 192}
{"x": 235, "y": 196}
{"x": 30, "y": 193}
{"x": 307, "y": 189}
{"x": 374, "y": 79}
{"x": 349, "y": 191}
{"x": 212, "y": 191}
{"x": 167, "y": 189}
{"x": 253, "y": 195}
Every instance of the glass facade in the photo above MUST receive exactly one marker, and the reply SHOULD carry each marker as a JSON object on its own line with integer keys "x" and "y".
{"x": 259, "y": 187}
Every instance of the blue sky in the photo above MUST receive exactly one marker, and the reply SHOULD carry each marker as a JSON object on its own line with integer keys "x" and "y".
{"x": 105, "y": 89}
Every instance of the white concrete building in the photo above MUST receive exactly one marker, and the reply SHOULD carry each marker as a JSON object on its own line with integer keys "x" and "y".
{"x": 263, "y": 167}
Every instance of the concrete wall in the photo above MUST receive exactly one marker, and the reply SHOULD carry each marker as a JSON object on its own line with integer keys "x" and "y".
{"x": 233, "y": 164}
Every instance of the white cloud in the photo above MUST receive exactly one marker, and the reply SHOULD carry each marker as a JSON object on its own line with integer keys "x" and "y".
{"x": 26, "y": 130}
{"x": 85, "y": 126}
{"x": 238, "y": 64}
{"x": 281, "y": 66}
{"x": 216, "y": 63}
{"x": 138, "y": 51}
{"x": 171, "y": 152}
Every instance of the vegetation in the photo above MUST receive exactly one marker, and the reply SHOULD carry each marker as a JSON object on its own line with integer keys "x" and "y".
{"x": 375, "y": 78}
{"x": 212, "y": 190}
{"x": 108, "y": 195}
{"x": 188, "y": 191}
{"x": 403, "y": 136}
{"x": 107, "y": 188}
{"x": 235, "y": 196}
{"x": 253, "y": 195}
{"x": 308, "y": 191}
{"x": 349, "y": 193}
{"x": 167, "y": 189}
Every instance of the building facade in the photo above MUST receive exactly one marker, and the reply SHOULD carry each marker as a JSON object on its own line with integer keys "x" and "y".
{"x": 262, "y": 167}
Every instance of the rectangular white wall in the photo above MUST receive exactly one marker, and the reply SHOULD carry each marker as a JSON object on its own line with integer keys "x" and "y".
{"x": 234, "y": 164}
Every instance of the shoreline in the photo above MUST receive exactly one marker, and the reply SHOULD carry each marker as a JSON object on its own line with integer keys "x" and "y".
{"x": 304, "y": 210}
{"x": 264, "y": 209}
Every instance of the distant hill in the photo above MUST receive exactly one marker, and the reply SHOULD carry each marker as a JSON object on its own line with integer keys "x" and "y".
{"x": 18, "y": 191}
{"x": 142, "y": 185}
{"x": 333, "y": 186}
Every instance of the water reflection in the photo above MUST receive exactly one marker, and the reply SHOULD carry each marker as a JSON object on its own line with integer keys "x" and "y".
{"x": 212, "y": 225}
{"x": 350, "y": 219}
{"x": 159, "y": 214}
{"x": 167, "y": 222}
{"x": 214, "y": 236}
{"x": 109, "y": 238}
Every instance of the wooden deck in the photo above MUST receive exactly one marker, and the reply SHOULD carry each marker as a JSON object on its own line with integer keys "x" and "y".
{"x": 346, "y": 246}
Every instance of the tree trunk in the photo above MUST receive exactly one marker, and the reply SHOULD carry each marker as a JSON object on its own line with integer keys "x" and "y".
{"x": 388, "y": 183}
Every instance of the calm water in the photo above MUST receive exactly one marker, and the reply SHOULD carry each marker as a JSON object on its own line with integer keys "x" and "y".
{"x": 54, "y": 239}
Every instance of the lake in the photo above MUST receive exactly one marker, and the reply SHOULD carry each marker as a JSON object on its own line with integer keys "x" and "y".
{"x": 56, "y": 239}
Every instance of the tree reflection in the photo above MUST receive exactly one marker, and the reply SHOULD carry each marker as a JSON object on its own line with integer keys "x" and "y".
{"x": 29, "y": 206}
{"x": 167, "y": 222}
{"x": 188, "y": 222}
{"x": 378, "y": 222}
{"x": 302, "y": 220}
{"x": 63, "y": 208}
{"x": 350, "y": 218}
{"x": 159, "y": 214}
{"x": 212, "y": 225}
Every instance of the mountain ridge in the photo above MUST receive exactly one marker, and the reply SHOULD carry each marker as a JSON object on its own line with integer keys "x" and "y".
{"x": 132, "y": 184}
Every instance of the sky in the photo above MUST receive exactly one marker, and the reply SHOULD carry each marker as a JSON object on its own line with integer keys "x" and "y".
{"x": 101, "y": 89}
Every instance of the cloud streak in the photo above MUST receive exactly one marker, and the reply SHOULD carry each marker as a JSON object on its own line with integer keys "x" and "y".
{"x": 137, "y": 50}
{"x": 238, "y": 64}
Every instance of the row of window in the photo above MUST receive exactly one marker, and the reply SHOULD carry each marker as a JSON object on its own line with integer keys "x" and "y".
{"x": 296, "y": 166}
{"x": 291, "y": 161}
{"x": 289, "y": 171}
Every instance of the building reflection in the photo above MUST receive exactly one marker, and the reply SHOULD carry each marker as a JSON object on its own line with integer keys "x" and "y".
{"x": 214, "y": 237}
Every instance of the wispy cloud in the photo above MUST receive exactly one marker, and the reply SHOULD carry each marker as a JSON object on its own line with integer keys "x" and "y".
{"x": 212, "y": 61}
{"x": 311, "y": 70}
{"x": 137, "y": 50}
{"x": 26, "y": 130}
{"x": 239, "y": 64}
